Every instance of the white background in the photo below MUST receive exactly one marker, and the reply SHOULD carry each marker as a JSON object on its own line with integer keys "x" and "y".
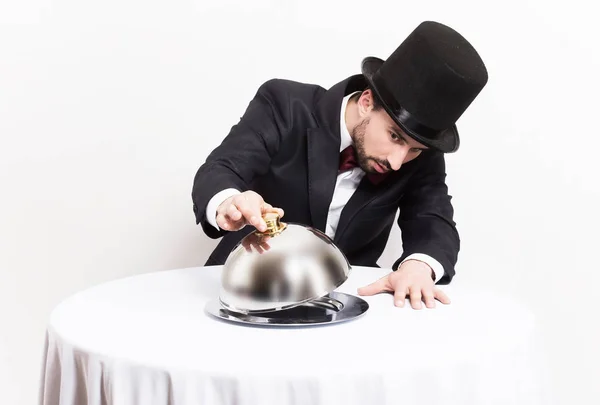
{"x": 108, "y": 108}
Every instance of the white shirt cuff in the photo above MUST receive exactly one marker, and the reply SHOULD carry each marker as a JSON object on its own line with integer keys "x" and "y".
{"x": 213, "y": 204}
{"x": 437, "y": 268}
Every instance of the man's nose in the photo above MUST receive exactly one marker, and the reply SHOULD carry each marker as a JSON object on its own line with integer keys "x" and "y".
{"x": 397, "y": 158}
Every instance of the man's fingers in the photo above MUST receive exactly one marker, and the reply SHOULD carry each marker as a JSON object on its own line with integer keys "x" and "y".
{"x": 376, "y": 287}
{"x": 251, "y": 211}
{"x": 258, "y": 222}
{"x": 267, "y": 208}
{"x": 229, "y": 217}
{"x": 242, "y": 209}
{"x": 415, "y": 297}
{"x": 234, "y": 213}
{"x": 400, "y": 295}
{"x": 278, "y": 211}
{"x": 428, "y": 297}
{"x": 227, "y": 223}
{"x": 441, "y": 296}
{"x": 222, "y": 222}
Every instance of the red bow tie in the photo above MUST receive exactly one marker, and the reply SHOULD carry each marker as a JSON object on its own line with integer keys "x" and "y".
{"x": 348, "y": 162}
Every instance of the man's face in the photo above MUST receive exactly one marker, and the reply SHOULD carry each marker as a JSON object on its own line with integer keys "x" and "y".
{"x": 380, "y": 144}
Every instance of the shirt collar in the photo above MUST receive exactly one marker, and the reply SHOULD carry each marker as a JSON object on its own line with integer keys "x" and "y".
{"x": 345, "y": 138}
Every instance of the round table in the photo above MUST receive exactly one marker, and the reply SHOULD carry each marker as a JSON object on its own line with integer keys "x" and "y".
{"x": 147, "y": 340}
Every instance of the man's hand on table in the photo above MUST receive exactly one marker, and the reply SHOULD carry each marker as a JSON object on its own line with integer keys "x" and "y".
{"x": 413, "y": 279}
{"x": 243, "y": 209}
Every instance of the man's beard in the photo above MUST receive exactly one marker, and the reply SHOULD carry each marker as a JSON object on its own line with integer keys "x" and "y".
{"x": 358, "y": 135}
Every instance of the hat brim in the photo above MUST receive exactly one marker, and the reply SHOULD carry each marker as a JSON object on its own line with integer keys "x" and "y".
{"x": 447, "y": 141}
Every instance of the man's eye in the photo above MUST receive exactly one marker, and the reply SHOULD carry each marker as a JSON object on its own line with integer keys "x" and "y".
{"x": 395, "y": 137}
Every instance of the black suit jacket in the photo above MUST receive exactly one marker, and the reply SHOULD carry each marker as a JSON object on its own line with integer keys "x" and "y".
{"x": 286, "y": 148}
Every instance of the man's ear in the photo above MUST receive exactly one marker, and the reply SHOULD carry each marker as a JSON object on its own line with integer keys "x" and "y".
{"x": 365, "y": 103}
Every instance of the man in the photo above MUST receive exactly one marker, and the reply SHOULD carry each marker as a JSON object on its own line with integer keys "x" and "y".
{"x": 344, "y": 160}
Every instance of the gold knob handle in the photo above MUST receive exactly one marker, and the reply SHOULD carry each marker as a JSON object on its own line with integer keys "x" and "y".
{"x": 274, "y": 225}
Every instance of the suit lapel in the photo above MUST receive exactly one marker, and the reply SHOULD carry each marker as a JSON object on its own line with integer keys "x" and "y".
{"x": 364, "y": 194}
{"x": 323, "y": 145}
{"x": 323, "y": 155}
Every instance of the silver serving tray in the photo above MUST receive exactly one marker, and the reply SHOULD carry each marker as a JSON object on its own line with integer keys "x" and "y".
{"x": 333, "y": 308}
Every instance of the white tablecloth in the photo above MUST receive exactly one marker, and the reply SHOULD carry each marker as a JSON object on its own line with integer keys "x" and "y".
{"x": 146, "y": 340}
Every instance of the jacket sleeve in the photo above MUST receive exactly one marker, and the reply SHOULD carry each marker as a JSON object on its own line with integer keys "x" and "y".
{"x": 426, "y": 216}
{"x": 245, "y": 153}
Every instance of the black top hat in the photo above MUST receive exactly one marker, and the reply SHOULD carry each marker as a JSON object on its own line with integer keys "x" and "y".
{"x": 428, "y": 83}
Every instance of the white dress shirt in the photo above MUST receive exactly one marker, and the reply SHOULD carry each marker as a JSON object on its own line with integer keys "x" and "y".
{"x": 345, "y": 185}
